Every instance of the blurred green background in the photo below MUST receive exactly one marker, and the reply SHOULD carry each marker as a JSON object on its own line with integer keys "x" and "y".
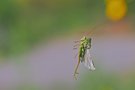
{"x": 26, "y": 23}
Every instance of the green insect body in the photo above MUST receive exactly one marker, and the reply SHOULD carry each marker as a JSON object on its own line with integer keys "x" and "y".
{"x": 84, "y": 54}
{"x": 85, "y": 44}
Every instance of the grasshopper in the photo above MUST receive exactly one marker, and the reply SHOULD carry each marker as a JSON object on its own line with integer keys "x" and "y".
{"x": 84, "y": 55}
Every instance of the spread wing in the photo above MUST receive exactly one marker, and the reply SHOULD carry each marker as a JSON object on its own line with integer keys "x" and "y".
{"x": 88, "y": 61}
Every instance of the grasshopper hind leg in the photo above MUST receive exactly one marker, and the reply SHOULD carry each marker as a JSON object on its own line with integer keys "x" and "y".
{"x": 76, "y": 68}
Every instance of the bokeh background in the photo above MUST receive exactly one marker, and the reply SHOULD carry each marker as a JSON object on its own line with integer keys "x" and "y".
{"x": 37, "y": 39}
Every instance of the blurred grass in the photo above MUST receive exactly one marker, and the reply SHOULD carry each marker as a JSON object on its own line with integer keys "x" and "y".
{"x": 97, "y": 80}
{"x": 24, "y": 23}
{"x": 28, "y": 87}
{"x": 106, "y": 81}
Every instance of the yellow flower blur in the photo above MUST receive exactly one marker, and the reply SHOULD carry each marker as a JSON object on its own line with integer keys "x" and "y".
{"x": 116, "y": 9}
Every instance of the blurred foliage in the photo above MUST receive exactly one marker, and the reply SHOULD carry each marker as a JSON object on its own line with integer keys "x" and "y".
{"x": 23, "y": 23}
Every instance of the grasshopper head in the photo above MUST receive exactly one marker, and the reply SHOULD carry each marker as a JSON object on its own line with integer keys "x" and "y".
{"x": 83, "y": 38}
{"x": 89, "y": 43}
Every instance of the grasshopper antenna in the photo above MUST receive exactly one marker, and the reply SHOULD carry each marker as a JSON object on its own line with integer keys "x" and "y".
{"x": 96, "y": 28}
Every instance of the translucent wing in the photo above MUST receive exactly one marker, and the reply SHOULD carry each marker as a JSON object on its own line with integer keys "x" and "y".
{"x": 88, "y": 61}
